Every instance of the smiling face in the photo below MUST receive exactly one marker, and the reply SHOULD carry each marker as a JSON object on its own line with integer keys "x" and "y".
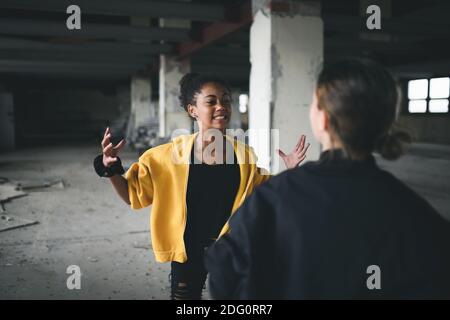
{"x": 212, "y": 108}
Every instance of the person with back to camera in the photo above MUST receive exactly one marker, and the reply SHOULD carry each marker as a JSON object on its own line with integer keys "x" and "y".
{"x": 339, "y": 227}
{"x": 193, "y": 191}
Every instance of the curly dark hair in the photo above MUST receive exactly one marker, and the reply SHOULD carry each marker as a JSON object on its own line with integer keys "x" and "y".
{"x": 191, "y": 85}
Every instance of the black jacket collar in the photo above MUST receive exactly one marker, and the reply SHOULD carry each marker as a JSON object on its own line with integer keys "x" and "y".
{"x": 336, "y": 161}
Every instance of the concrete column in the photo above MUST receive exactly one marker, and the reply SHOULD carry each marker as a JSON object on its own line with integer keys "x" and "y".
{"x": 141, "y": 106}
{"x": 143, "y": 111}
{"x": 286, "y": 53}
{"x": 171, "y": 115}
{"x": 236, "y": 118}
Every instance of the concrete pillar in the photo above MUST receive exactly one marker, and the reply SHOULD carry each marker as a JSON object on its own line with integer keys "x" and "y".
{"x": 141, "y": 105}
{"x": 236, "y": 118}
{"x": 143, "y": 111}
{"x": 286, "y": 53}
{"x": 171, "y": 115}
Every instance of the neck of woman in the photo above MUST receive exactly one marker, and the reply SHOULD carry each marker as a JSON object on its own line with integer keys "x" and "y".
{"x": 207, "y": 136}
{"x": 210, "y": 146}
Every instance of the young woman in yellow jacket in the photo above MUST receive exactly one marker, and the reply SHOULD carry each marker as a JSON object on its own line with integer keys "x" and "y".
{"x": 192, "y": 192}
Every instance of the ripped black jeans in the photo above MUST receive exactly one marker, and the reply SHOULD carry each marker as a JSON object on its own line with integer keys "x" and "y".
{"x": 187, "y": 279}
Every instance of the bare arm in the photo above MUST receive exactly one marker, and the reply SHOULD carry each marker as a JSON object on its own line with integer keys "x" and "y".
{"x": 120, "y": 184}
{"x": 110, "y": 153}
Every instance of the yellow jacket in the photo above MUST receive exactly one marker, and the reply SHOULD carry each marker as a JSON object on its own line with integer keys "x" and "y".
{"x": 160, "y": 179}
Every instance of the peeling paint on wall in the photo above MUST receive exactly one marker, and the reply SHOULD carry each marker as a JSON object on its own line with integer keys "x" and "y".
{"x": 315, "y": 66}
{"x": 277, "y": 69}
{"x": 287, "y": 8}
{"x": 261, "y": 5}
{"x": 175, "y": 117}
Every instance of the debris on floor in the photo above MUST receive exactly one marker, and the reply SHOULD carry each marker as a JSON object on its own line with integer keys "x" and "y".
{"x": 138, "y": 245}
{"x": 10, "y": 191}
{"x": 8, "y": 222}
{"x": 40, "y": 184}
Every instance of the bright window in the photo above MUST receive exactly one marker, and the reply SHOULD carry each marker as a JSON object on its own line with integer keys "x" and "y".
{"x": 438, "y": 105}
{"x": 243, "y": 103}
{"x": 429, "y": 95}
{"x": 418, "y": 89}
{"x": 417, "y": 106}
{"x": 439, "y": 88}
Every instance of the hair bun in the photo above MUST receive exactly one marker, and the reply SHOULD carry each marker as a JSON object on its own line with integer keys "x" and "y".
{"x": 392, "y": 145}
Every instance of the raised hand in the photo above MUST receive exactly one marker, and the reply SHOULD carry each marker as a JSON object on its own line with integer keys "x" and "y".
{"x": 109, "y": 150}
{"x": 297, "y": 155}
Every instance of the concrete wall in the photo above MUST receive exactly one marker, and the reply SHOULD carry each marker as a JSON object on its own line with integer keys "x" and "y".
{"x": 428, "y": 128}
{"x": 47, "y": 116}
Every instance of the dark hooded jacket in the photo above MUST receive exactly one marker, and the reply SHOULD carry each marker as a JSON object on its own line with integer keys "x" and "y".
{"x": 332, "y": 229}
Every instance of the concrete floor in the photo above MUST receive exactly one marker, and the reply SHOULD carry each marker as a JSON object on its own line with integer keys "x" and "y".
{"x": 85, "y": 224}
{"x": 426, "y": 169}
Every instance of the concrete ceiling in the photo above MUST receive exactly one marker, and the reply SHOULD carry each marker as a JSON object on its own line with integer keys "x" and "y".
{"x": 35, "y": 44}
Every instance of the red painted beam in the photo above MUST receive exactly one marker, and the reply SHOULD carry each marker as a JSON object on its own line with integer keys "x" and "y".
{"x": 242, "y": 16}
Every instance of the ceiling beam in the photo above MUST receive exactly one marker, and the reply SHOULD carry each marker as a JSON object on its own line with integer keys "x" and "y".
{"x": 143, "y": 8}
{"x": 218, "y": 60}
{"x": 29, "y": 27}
{"x": 420, "y": 10}
{"x": 387, "y": 47}
{"x": 437, "y": 68}
{"x": 393, "y": 26}
{"x": 63, "y": 73}
{"x": 47, "y": 55}
{"x": 225, "y": 51}
{"x": 22, "y": 82}
{"x": 218, "y": 30}
{"x": 224, "y": 71}
{"x": 109, "y": 48}
{"x": 69, "y": 67}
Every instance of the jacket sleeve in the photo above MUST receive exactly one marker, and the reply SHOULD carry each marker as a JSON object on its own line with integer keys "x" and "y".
{"x": 261, "y": 175}
{"x": 231, "y": 259}
{"x": 140, "y": 185}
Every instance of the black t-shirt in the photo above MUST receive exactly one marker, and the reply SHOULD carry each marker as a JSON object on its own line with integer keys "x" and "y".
{"x": 211, "y": 192}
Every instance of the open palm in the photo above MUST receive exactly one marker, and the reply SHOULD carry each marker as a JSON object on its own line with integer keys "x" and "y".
{"x": 297, "y": 155}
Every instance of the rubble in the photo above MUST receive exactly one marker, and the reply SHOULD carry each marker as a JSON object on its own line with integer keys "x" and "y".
{"x": 8, "y": 223}
{"x": 9, "y": 191}
{"x": 40, "y": 184}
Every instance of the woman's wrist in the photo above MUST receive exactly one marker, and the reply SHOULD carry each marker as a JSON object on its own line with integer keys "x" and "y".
{"x": 115, "y": 169}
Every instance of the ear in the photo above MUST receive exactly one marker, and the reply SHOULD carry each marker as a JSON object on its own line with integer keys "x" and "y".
{"x": 324, "y": 120}
{"x": 192, "y": 111}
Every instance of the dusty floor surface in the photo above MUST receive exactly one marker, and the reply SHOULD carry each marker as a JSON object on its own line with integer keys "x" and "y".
{"x": 84, "y": 224}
